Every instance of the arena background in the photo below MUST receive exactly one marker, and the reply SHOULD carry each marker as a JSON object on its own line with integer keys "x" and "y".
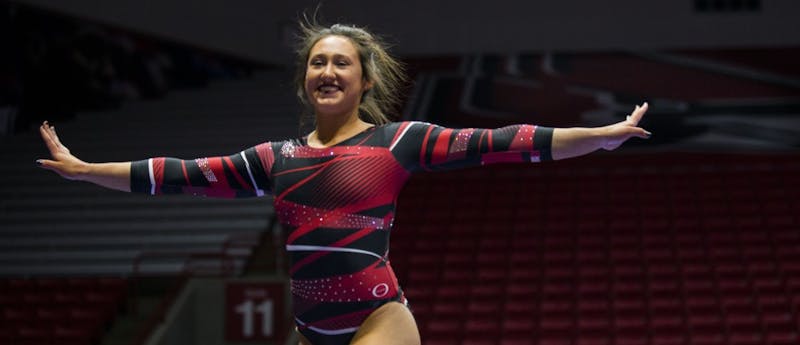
{"x": 691, "y": 237}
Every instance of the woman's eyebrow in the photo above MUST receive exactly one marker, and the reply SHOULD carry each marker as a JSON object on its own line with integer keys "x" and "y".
{"x": 334, "y": 55}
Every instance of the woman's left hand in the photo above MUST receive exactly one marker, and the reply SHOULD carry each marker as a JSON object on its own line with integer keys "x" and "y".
{"x": 618, "y": 133}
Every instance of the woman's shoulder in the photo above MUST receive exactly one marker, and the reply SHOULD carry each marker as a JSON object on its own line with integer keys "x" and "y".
{"x": 278, "y": 145}
{"x": 406, "y": 125}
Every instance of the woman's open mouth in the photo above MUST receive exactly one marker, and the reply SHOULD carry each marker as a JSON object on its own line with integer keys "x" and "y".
{"x": 328, "y": 89}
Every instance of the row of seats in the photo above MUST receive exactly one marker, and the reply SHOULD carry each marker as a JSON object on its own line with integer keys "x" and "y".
{"x": 73, "y": 311}
{"x": 713, "y": 266}
{"x": 55, "y": 334}
{"x": 52, "y": 284}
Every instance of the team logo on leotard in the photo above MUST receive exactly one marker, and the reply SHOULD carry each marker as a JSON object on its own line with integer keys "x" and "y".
{"x": 380, "y": 290}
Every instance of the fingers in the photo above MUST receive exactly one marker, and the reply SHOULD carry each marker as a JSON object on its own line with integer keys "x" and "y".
{"x": 55, "y": 166}
{"x": 57, "y": 140}
{"x": 643, "y": 133}
{"x": 45, "y": 163}
{"x": 48, "y": 164}
{"x": 51, "y": 139}
{"x": 622, "y": 134}
{"x": 47, "y": 136}
{"x": 635, "y": 117}
{"x": 52, "y": 130}
{"x": 631, "y": 132}
{"x": 637, "y": 114}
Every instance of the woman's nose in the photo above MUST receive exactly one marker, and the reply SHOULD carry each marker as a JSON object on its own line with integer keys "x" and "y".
{"x": 328, "y": 73}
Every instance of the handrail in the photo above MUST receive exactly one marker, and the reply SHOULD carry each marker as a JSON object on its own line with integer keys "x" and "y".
{"x": 245, "y": 240}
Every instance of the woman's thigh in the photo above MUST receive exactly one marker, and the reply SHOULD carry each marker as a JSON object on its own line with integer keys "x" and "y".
{"x": 391, "y": 324}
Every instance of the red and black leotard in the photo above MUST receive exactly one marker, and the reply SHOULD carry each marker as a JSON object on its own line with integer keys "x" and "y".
{"x": 338, "y": 204}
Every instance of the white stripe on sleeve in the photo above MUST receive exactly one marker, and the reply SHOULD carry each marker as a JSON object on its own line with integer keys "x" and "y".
{"x": 259, "y": 192}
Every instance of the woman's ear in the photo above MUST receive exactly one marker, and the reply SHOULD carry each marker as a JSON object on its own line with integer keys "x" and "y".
{"x": 368, "y": 84}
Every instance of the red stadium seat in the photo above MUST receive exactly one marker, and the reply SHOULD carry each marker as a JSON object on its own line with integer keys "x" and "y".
{"x": 68, "y": 298}
{"x": 782, "y": 338}
{"x": 512, "y": 340}
{"x": 707, "y": 338}
{"x": 18, "y": 316}
{"x": 90, "y": 318}
{"x": 484, "y": 307}
{"x": 737, "y": 337}
{"x": 34, "y": 334}
{"x": 520, "y": 308}
{"x": 483, "y": 326}
{"x": 10, "y": 298}
{"x": 66, "y": 334}
{"x": 52, "y": 315}
{"x": 8, "y": 334}
{"x": 668, "y": 338}
{"x": 480, "y": 340}
{"x": 435, "y": 339}
{"x": 444, "y": 329}
{"x": 449, "y": 310}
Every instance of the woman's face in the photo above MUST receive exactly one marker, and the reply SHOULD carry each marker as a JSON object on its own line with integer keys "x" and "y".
{"x": 334, "y": 79}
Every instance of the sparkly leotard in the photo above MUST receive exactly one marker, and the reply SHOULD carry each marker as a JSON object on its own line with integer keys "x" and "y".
{"x": 338, "y": 204}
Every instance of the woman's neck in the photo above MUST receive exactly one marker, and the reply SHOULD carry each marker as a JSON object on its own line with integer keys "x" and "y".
{"x": 333, "y": 130}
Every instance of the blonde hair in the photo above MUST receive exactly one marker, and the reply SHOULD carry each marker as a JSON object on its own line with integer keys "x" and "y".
{"x": 386, "y": 73}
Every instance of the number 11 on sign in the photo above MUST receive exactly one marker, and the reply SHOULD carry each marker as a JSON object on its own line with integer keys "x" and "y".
{"x": 248, "y": 309}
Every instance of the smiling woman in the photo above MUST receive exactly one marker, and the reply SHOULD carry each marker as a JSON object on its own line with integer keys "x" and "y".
{"x": 335, "y": 190}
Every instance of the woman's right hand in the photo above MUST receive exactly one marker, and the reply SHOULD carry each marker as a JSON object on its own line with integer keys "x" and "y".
{"x": 62, "y": 161}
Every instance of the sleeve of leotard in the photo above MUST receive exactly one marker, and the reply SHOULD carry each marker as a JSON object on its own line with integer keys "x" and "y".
{"x": 424, "y": 146}
{"x": 244, "y": 174}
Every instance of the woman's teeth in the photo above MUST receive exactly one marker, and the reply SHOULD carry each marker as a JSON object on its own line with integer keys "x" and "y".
{"x": 328, "y": 88}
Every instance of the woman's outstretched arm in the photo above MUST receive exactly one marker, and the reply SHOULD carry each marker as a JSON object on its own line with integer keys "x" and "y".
{"x": 243, "y": 174}
{"x": 573, "y": 142}
{"x": 423, "y": 146}
{"x": 110, "y": 175}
